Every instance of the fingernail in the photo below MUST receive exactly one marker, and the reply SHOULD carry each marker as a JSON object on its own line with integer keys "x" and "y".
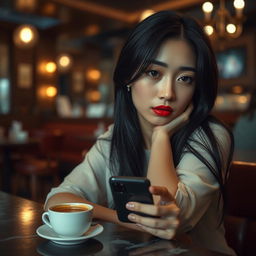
{"x": 130, "y": 205}
{"x": 131, "y": 217}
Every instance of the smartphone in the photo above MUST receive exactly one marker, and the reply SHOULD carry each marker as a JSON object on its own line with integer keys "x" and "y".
{"x": 126, "y": 189}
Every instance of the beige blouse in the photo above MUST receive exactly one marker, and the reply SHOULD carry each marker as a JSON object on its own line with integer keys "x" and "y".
{"x": 197, "y": 194}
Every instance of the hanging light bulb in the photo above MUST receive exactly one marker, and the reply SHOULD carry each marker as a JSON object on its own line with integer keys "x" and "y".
{"x": 209, "y": 30}
{"x": 222, "y": 23}
{"x": 231, "y": 28}
{"x": 25, "y": 36}
{"x": 239, "y": 6}
{"x": 207, "y": 8}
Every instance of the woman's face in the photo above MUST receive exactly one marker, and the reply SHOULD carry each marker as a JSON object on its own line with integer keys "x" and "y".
{"x": 166, "y": 88}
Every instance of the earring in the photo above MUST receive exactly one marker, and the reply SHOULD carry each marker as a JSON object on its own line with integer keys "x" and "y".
{"x": 128, "y": 88}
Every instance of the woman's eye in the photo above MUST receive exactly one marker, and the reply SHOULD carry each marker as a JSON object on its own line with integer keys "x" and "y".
{"x": 186, "y": 79}
{"x": 153, "y": 73}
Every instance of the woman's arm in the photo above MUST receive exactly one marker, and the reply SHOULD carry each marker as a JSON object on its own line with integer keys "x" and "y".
{"x": 161, "y": 169}
{"x": 163, "y": 177}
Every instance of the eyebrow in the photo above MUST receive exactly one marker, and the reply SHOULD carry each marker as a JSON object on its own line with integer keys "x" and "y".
{"x": 163, "y": 64}
{"x": 160, "y": 63}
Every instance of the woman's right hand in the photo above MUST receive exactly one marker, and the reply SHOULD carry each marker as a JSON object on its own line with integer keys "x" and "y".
{"x": 175, "y": 124}
{"x": 164, "y": 222}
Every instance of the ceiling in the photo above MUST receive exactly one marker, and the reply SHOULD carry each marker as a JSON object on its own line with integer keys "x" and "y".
{"x": 48, "y": 13}
{"x": 126, "y": 11}
{"x": 82, "y": 19}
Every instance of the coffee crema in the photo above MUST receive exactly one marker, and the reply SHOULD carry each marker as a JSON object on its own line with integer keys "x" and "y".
{"x": 69, "y": 208}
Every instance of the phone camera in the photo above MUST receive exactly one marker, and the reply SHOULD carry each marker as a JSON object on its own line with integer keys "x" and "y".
{"x": 119, "y": 187}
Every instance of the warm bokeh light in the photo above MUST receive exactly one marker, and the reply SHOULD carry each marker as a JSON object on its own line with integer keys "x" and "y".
{"x": 25, "y": 36}
{"x": 49, "y": 9}
{"x": 219, "y": 100}
{"x": 92, "y": 29}
{"x": 242, "y": 99}
{"x": 26, "y": 5}
{"x": 47, "y": 92}
{"x": 50, "y": 67}
{"x": 146, "y": 14}
{"x": 239, "y": 4}
{"x": 26, "y": 214}
{"x": 207, "y": 7}
{"x": 93, "y": 74}
{"x": 237, "y": 89}
{"x": 231, "y": 28}
{"x": 64, "y": 62}
{"x": 208, "y": 30}
{"x": 51, "y": 91}
{"x": 93, "y": 96}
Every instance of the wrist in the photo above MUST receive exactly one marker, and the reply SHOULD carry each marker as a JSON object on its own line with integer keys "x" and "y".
{"x": 160, "y": 134}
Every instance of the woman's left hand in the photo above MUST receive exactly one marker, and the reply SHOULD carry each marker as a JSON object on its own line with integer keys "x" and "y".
{"x": 175, "y": 124}
{"x": 164, "y": 221}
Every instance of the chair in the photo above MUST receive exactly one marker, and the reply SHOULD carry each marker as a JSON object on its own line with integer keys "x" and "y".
{"x": 39, "y": 165}
{"x": 240, "y": 221}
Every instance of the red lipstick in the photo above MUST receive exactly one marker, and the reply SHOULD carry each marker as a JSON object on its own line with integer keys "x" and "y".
{"x": 162, "y": 110}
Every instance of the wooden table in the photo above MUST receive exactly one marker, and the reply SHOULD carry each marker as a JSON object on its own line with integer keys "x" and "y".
{"x": 7, "y": 147}
{"x": 19, "y": 219}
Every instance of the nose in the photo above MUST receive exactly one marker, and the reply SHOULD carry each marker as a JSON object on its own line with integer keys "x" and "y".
{"x": 166, "y": 90}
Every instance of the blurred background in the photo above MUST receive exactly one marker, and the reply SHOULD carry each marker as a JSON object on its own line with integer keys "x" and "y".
{"x": 57, "y": 58}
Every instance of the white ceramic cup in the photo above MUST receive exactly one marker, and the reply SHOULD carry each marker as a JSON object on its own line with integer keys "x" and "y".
{"x": 69, "y": 219}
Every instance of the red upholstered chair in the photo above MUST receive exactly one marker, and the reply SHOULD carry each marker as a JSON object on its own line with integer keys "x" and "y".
{"x": 240, "y": 221}
{"x": 39, "y": 166}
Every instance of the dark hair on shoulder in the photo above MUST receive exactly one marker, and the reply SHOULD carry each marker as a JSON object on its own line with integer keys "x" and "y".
{"x": 127, "y": 156}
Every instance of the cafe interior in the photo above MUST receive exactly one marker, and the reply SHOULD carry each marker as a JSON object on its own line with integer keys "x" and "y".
{"x": 56, "y": 89}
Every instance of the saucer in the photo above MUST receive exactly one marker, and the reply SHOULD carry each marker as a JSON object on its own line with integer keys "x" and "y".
{"x": 46, "y": 232}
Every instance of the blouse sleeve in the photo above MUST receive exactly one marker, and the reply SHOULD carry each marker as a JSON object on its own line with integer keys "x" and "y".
{"x": 89, "y": 179}
{"x": 197, "y": 186}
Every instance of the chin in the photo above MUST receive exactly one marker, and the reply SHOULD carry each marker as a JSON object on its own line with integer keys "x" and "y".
{"x": 161, "y": 121}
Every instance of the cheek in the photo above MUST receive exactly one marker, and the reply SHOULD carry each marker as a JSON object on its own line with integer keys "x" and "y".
{"x": 141, "y": 93}
{"x": 184, "y": 99}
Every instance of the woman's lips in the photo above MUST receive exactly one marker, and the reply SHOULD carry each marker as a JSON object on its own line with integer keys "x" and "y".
{"x": 162, "y": 110}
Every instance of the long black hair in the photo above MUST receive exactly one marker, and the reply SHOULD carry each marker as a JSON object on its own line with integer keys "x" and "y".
{"x": 127, "y": 155}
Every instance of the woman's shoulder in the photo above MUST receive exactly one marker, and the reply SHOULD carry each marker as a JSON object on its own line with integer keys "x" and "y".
{"x": 221, "y": 133}
{"x": 107, "y": 135}
{"x": 218, "y": 128}
{"x": 103, "y": 142}
{"x": 101, "y": 147}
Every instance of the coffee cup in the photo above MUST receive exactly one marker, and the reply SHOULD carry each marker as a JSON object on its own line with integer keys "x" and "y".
{"x": 69, "y": 219}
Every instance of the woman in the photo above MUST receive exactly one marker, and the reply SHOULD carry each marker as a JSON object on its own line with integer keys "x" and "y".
{"x": 166, "y": 73}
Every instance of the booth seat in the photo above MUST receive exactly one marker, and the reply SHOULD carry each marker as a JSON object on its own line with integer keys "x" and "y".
{"x": 240, "y": 220}
{"x": 78, "y": 136}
